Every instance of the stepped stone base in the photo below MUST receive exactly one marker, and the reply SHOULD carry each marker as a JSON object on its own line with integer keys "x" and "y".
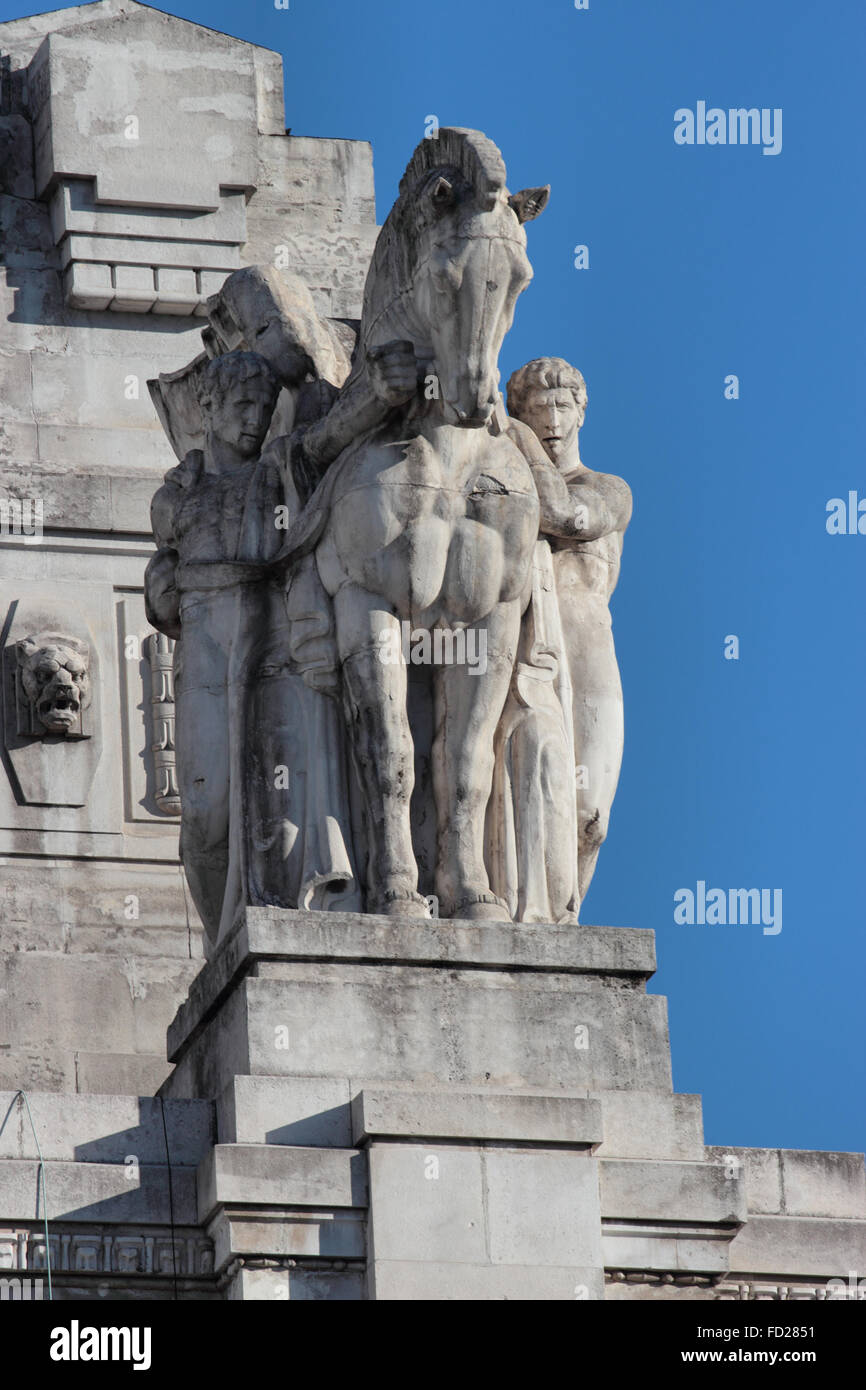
{"x": 367, "y": 1108}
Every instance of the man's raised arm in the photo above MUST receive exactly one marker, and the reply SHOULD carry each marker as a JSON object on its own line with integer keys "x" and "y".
{"x": 586, "y": 507}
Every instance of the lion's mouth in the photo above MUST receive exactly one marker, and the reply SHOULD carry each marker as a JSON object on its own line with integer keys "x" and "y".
{"x": 59, "y": 714}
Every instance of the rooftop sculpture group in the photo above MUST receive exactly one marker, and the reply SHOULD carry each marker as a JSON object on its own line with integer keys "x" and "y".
{"x": 333, "y": 495}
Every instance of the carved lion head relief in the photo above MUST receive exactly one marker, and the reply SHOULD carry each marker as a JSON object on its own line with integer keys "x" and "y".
{"x": 54, "y": 681}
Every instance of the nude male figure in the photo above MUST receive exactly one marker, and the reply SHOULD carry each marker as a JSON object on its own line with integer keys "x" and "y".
{"x": 584, "y": 515}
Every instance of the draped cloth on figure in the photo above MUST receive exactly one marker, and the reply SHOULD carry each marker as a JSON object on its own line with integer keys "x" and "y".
{"x": 291, "y": 843}
{"x": 271, "y": 667}
{"x": 532, "y": 813}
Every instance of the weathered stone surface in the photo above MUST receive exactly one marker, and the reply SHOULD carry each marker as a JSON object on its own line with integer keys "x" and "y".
{"x": 517, "y": 1214}
{"x": 305, "y": 1284}
{"x": 270, "y": 934}
{"x": 647, "y": 1191}
{"x": 270, "y": 1175}
{"x": 90, "y": 1192}
{"x": 482, "y": 1060}
{"x": 106, "y": 1129}
{"x": 667, "y": 1247}
{"x": 431, "y": 1004}
{"x": 410, "y": 1281}
{"x": 293, "y": 1110}
{"x": 810, "y": 1246}
{"x": 651, "y": 1125}
{"x": 800, "y": 1182}
{"x": 475, "y": 1115}
{"x": 261, "y": 1233}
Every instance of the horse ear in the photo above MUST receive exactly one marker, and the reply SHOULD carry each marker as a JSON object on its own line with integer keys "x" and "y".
{"x": 442, "y": 194}
{"x": 529, "y": 202}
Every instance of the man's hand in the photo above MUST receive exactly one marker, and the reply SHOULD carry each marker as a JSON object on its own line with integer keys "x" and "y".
{"x": 161, "y": 599}
{"x": 393, "y": 372}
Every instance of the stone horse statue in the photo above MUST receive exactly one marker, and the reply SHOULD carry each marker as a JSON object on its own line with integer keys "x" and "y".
{"x": 431, "y": 518}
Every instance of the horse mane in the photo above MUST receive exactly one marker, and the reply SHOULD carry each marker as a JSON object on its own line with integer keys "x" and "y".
{"x": 467, "y": 156}
{"x": 470, "y": 152}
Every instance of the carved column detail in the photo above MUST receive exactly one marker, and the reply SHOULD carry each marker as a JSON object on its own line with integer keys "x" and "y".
{"x": 159, "y": 650}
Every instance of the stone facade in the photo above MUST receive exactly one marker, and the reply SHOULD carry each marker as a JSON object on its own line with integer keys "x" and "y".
{"x": 110, "y": 246}
{"x": 349, "y": 1106}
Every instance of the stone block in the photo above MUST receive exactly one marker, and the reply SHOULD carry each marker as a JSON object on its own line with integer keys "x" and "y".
{"x": 117, "y": 1073}
{"x": 408, "y": 1282}
{"x": 462, "y": 1221}
{"x": 300, "y": 1111}
{"x": 25, "y": 234}
{"x": 800, "y": 1182}
{"x": 19, "y": 451}
{"x": 814, "y": 1247}
{"x": 427, "y": 1205}
{"x": 69, "y": 909}
{"x": 94, "y": 391}
{"x": 134, "y": 289}
{"x": 88, "y": 449}
{"x": 177, "y": 291}
{"x": 88, "y": 285}
{"x": 542, "y": 1208}
{"x": 291, "y": 1285}
{"x": 31, "y": 1068}
{"x": 76, "y": 211}
{"x": 337, "y": 995}
{"x": 91, "y": 1192}
{"x": 16, "y": 166}
{"x": 105, "y": 1129}
{"x": 258, "y": 1233}
{"x": 475, "y": 1115}
{"x": 763, "y": 1174}
{"x": 132, "y": 133}
{"x": 657, "y": 1190}
{"x": 666, "y": 1247}
{"x": 823, "y": 1184}
{"x": 645, "y": 1124}
{"x": 15, "y": 389}
{"x": 270, "y": 1175}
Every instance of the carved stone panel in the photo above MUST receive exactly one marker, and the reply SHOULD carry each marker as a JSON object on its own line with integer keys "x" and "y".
{"x": 51, "y": 704}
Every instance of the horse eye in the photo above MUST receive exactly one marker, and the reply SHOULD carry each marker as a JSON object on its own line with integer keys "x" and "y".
{"x": 442, "y": 194}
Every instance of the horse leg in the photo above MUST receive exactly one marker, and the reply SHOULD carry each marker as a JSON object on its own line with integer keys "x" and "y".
{"x": 468, "y": 708}
{"x": 374, "y": 692}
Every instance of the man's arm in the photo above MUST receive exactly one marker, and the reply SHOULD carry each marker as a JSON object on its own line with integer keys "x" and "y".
{"x": 389, "y": 379}
{"x": 589, "y": 506}
{"x": 161, "y": 599}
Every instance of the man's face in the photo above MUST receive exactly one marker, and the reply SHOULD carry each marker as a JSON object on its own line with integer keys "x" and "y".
{"x": 554, "y": 416}
{"x": 241, "y": 417}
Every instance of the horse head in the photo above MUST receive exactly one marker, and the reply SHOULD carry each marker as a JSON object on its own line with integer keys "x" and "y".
{"x": 448, "y": 267}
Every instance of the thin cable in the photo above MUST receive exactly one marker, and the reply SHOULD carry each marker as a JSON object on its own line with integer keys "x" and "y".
{"x": 23, "y": 1095}
{"x": 170, "y": 1197}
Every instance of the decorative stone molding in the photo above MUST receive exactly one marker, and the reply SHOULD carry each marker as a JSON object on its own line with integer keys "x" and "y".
{"x": 731, "y": 1288}
{"x": 148, "y": 214}
{"x": 159, "y": 651}
{"x": 102, "y": 1250}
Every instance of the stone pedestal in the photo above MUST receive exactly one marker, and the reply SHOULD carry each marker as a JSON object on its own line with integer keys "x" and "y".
{"x": 441, "y": 1110}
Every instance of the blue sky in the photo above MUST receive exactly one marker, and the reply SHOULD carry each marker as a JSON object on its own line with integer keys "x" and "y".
{"x": 704, "y": 261}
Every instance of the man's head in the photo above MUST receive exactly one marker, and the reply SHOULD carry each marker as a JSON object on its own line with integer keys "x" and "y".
{"x": 237, "y": 394}
{"x": 549, "y": 395}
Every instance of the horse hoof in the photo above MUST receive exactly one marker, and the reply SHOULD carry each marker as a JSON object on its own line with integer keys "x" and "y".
{"x": 481, "y": 907}
{"x": 402, "y": 903}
